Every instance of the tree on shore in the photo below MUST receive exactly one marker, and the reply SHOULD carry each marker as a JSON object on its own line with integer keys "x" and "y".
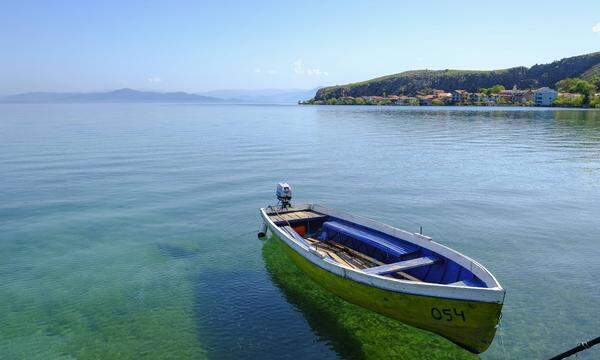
{"x": 568, "y": 101}
{"x": 577, "y": 86}
{"x": 492, "y": 90}
{"x": 496, "y": 89}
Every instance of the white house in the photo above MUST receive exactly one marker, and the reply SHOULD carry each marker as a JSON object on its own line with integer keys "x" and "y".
{"x": 544, "y": 96}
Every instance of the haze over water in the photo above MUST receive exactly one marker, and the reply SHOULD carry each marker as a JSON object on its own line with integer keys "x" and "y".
{"x": 130, "y": 229}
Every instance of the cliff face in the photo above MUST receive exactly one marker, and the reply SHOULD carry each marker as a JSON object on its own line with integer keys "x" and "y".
{"x": 410, "y": 82}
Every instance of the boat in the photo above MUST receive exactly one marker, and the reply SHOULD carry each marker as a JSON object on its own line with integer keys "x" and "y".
{"x": 402, "y": 275}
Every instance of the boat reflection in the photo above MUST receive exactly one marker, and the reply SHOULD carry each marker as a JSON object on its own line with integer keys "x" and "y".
{"x": 351, "y": 331}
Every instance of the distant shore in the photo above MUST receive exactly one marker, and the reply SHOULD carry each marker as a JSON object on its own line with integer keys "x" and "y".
{"x": 462, "y": 106}
{"x": 495, "y": 96}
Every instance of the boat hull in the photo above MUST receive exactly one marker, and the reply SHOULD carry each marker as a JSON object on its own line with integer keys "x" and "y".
{"x": 470, "y": 324}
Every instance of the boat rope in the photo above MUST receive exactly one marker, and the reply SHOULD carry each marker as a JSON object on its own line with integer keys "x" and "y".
{"x": 580, "y": 347}
{"x": 276, "y": 212}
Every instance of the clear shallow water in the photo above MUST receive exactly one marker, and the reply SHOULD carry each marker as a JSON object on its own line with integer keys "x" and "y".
{"x": 129, "y": 230}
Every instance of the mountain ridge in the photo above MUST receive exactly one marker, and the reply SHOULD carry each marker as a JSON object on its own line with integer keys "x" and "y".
{"x": 413, "y": 81}
{"x": 127, "y": 95}
{"x": 119, "y": 95}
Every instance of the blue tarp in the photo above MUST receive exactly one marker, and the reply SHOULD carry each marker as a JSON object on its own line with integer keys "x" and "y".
{"x": 433, "y": 271}
{"x": 380, "y": 241}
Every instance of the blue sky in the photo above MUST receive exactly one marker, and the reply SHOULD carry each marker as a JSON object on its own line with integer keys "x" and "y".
{"x": 197, "y": 46}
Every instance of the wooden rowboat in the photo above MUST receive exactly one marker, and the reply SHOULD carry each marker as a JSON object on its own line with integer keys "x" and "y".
{"x": 402, "y": 275}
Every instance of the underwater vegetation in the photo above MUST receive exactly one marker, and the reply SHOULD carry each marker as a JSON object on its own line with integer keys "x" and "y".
{"x": 353, "y": 332}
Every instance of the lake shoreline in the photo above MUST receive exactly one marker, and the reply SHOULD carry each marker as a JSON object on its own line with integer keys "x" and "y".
{"x": 503, "y": 106}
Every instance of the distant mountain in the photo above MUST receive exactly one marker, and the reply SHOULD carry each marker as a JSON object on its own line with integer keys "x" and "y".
{"x": 265, "y": 96}
{"x": 268, "y": 96}
{"x": 410, "y": 82}
{"x": 121, "y": 95}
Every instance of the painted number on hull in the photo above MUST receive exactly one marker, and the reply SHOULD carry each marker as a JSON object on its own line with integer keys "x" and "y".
{"x": 447, "y": 314}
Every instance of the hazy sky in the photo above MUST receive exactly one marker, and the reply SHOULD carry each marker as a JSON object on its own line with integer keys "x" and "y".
{"x": 196, "y": 46}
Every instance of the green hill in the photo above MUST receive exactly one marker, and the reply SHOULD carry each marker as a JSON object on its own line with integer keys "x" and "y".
{"x": 592, "y": 75}
{"x": 410, "y": 82}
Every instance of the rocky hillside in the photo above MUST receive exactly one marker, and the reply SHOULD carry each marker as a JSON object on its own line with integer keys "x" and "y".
{"x": 410, "y": 82}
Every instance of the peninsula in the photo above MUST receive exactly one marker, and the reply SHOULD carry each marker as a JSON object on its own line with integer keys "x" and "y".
{"x": 567, "y": 82}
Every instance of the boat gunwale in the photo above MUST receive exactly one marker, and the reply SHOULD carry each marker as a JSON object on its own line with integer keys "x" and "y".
{"x": 470, "y": 293}
{"x": 425, "y": 242}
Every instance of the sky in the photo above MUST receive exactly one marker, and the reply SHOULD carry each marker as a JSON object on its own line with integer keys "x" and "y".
{"x": 195, "y": 46}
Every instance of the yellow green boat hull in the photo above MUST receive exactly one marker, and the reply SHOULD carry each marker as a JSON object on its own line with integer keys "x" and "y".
{"x": 470, "y": 324}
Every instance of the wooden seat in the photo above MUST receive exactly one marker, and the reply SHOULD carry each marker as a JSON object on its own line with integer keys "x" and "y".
{"x": 402, "y": 265}
{"x": 295, "y": 216}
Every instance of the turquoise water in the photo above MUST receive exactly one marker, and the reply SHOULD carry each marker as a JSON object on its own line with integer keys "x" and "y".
{"x": 129, "y": 229}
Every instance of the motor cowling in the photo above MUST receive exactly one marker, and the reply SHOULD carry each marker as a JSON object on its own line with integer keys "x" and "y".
{"x": 284, "y": 194}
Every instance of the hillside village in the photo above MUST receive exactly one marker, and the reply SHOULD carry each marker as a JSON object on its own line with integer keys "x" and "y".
{"x": 494, "y": 96}
{"x": 568, "y": 82}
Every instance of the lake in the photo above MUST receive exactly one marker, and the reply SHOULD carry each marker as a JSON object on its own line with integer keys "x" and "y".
{"x": 129, "y": 230}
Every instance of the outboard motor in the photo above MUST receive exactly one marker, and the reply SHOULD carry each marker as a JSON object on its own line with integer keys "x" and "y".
{"x": 284, "y": 195}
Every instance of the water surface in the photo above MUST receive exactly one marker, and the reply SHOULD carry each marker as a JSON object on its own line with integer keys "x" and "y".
{"x": 129, "y": 229}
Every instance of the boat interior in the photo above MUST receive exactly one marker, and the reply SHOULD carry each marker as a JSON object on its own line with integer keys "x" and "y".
{"x": 371, "y": 251}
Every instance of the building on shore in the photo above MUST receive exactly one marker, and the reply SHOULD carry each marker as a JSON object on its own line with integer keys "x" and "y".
{"x": 459, "y": 96}
{"x": 425, "y": 100}
{"x": 491, "y": 99}
{"x": 517, "y": 96}
{"x": 544, "y": 96}
{"x": 407, "y": 100}
{"x": 523, "y": 96}
{"x": 476, "y": 97}
{"x": 443, "y": 96}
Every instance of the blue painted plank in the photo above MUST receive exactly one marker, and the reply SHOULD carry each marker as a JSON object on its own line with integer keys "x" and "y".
{"x": 401, "y": 266}
{"x": 370, "y": 237}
